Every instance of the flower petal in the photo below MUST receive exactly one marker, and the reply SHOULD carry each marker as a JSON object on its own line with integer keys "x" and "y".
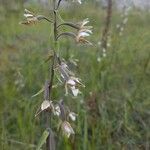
{"x": 67, "y": 129}
{"x": 28, "y": 15}
{"x": 71, "y": 82}
{"x": 45, "y": 104}
{"x": 72, "y": 116}
{"x": 75, "y": 91}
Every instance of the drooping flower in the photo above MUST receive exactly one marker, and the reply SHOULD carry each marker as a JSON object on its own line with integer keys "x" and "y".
{"x": 31, "y": 18}
{"x": 68, "y": 78}
{"x": 83, "y": 32}
{"x": 46, "y": 104}
{"x": 74, "y": 90}
{"x": 72, "y": 83}
{"x": 82, "y": 24}
{"x": 67, "y": 129}
{"x": 57, "y": 110}
{"x": 72, "y": 116}
{"x": 80, "y": 38}
{"x": 64, "y": 71}
{"x": 79, "y": 1}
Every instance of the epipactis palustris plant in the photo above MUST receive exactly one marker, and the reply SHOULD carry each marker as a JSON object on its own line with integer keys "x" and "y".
{"x": 59, "y": 68}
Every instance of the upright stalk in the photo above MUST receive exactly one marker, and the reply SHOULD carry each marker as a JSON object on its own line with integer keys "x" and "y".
{"x": 107, "y": 25}
{"x": 48, "y": 143}
{"x": 67, "y": 78}
{"x": 54, "y": 49}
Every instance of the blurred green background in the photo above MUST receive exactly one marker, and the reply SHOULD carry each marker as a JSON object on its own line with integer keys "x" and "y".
{"x": 114, "y": 108}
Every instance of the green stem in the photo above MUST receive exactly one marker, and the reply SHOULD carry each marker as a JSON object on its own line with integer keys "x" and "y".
{"x": 107, "y": 25}
{"x": 52, "y": 73}
{"x": 85, "y": 140}
{"x": 68, "y": 24}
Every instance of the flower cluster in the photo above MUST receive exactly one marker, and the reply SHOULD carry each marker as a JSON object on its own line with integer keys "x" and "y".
{"x": 103, "y": 51}
{"x": 59, "y": 67}
{"x": 31, "y": 18}
{"x": 120, "y": 27}
{"x": 71, "y": 82}
{"x": 83, "y": 31}
{"x": 64, "y": 115}
{"x": 62, "y": 112}
{"x": 67, "y": 129}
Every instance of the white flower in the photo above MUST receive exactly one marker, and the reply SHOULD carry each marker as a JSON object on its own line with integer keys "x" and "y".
{"x": 75, "y": 91}
{"x": 108, "y": 44}
{"x": 118, "y": 26}
{"x": 26, "y": 11}
{"x": 28, "y": 15}
{"x": 72, "y": 116}
{"x": 125, "y": 20}
{"x": 67, "y": 129}
{"x": 64, "y": 71}
{"x": 82, "y": 40}
{"x": 98, "y": 59}
{"x": 74, "y": 80}
{"x": 99, "y": 43}
{"x": 79, "y": 1}
{"x": 72, "y": 83}
{"x": 121, "y": 29}
{"x": 31, "y": 18}
{"x": 46, "y": 104}
{"x": 104, "y": 50}
{"x": 83, "y": 32}
{"x": 57, "y": 110}
{"x": 104, "y": 54}
{"x": 83, "y": 23}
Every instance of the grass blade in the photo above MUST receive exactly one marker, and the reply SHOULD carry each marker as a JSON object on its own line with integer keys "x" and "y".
{"x": 42, "y": 139}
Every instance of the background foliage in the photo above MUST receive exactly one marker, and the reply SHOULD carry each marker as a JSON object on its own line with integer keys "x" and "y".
{"x": 113, "y": 110}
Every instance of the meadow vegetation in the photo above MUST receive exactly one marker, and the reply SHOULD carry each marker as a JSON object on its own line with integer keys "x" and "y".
{"x": 114, "y": 107}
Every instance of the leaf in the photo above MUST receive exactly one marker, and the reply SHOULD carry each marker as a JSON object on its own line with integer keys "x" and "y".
{"x": 39, "y": 92}
{"x": 51, "y": 55}
{"x": 42, "y": 139}
{"x": 51, "y": 140}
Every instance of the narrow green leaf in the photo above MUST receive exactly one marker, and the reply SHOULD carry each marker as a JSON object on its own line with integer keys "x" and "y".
{"x": 39, "y": 92}
{"x": 51, "y": 55}
{"x": 51, "y": 140}
{"x": 42, "y": 139}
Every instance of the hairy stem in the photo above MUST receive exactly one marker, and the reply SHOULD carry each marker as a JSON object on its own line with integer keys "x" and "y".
{"x": 107, "y": 25}
{"x": 71, "y": 34}
{"x": 68, "y": 24}
{"x": 48, "y": 143}
{"x": 58, "y": 4}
